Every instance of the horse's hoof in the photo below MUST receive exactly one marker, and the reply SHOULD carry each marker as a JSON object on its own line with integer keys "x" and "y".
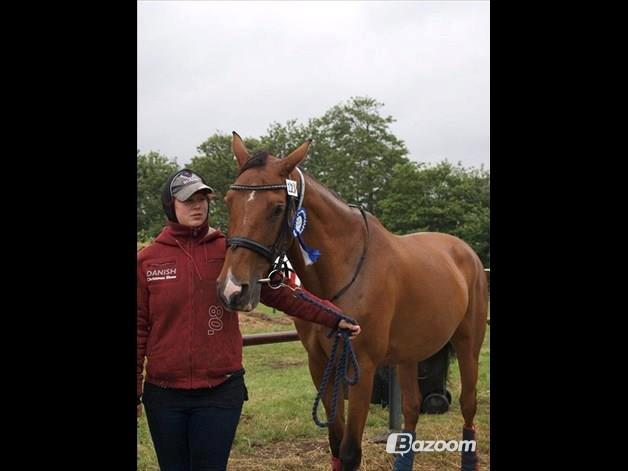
{"x": 336, "y": 464}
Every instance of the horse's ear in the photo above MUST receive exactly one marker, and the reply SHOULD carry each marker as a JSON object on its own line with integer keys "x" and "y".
{"x": 295, "y": 157}
{"x": 239, "y": 150}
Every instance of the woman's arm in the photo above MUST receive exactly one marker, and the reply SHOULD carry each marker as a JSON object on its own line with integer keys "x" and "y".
{"x": 285, "y": 300}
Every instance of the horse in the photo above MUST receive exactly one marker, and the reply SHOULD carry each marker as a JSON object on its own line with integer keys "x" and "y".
{"x": 411, "y": 294}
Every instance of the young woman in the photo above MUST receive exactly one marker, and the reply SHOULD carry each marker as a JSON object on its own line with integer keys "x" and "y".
{"x": 194, "y": 386}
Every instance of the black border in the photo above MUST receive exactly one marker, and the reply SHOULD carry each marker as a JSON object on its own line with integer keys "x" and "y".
{"x": 83, "y": 392}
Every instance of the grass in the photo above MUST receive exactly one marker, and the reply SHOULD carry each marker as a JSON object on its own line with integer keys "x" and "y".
{"x": 276, "y": 431}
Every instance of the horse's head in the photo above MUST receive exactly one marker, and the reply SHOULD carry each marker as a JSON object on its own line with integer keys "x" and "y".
{"x": 260, "y": 210}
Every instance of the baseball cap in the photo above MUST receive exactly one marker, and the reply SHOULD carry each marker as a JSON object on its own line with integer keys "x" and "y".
{"x": 186, "y": 183}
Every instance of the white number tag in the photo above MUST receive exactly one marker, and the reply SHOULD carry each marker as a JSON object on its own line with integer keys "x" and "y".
{"x": 291, "y": 187}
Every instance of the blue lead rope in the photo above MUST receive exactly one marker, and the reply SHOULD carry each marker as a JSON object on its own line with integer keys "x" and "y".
{"x": 341, "y": 374}
{"x": 347, "y": 355}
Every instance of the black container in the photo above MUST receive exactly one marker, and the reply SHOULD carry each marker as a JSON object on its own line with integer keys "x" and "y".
{"x": 433, "y": 374}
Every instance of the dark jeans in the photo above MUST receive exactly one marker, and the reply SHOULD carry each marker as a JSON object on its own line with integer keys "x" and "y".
{"x": 193, "y": 430}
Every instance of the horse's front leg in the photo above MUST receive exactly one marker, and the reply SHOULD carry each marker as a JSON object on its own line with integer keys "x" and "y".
{"x": 411, "y": 404}
{"x": 317, "y": 363}
{"x": 359, "y": 401}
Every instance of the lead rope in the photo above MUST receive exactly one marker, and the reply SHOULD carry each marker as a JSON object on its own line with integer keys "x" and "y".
{"x": 347, "y": 354}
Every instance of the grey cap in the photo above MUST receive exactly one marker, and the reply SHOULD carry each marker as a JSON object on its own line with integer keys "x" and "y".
{"x": 186, "y": 183}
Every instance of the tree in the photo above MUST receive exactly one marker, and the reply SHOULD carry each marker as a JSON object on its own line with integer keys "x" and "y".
{"x": 280, "y": 139}
{"x": 440, "y": 198}
{"x": 355, "y": 154}
{"x": 218, "y": 166}
{"x": 354, "y": 151}
{"x": 152, "y": 171}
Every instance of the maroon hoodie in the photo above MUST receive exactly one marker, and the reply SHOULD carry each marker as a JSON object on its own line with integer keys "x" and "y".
{"x": 190, "y": 340}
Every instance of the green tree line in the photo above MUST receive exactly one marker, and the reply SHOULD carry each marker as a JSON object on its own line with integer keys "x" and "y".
{"x": 353, "y": 153}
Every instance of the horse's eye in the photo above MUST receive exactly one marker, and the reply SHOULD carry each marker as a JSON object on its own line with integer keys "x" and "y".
{"x": 278, "y": 210}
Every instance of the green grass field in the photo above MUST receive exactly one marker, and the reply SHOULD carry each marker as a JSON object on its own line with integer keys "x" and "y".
{"x": 276, "y": 431}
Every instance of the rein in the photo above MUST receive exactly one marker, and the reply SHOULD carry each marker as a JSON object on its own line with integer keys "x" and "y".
{"x": 366, "y": 246}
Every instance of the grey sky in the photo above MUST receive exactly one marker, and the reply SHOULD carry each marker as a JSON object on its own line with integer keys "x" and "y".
{"x": 215, "y": 66}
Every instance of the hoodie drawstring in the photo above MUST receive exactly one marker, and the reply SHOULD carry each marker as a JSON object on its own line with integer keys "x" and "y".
{"x": 191, "y": 258}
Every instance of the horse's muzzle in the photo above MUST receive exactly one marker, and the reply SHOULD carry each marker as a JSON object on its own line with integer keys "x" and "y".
{"x": 237, "y": 296}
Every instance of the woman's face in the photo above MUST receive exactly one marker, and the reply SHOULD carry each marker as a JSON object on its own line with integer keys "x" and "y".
{"x": 193, "y": 211}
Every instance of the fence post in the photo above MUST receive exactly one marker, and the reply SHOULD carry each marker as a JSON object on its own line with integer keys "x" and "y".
{"x": 394, "y": 399}
{"x": 394, "y": 406}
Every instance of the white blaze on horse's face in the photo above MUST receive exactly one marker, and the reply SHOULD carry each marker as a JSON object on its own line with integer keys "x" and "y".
{"x": 251, "y": 198}
{"x": 231, "y": 286}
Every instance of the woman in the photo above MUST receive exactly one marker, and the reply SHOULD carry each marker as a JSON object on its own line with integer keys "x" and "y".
{"x": 194, "y": 387}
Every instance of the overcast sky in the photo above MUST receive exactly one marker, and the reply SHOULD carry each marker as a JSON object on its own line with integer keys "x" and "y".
{"x": 222, "y": 66}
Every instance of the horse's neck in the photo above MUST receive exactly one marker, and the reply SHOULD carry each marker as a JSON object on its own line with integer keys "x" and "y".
{"x": 338, "y": 232}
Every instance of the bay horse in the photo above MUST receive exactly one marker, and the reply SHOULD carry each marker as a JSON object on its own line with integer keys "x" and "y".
{"x": 411, "y": 294}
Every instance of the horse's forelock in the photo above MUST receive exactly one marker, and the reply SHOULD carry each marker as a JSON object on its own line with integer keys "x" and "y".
{"x": 258, "y": 159}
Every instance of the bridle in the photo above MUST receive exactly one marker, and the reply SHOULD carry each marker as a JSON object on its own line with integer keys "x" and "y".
{"x": 275, "y": 254}
{"x": 279, "y": 248}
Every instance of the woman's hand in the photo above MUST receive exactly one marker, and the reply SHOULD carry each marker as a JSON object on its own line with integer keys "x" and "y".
{"x": 355, "y": 329}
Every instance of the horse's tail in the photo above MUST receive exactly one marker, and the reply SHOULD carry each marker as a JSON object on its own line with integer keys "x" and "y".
{"x": 434, "y": 371}
{"x": 451, "y": 352}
